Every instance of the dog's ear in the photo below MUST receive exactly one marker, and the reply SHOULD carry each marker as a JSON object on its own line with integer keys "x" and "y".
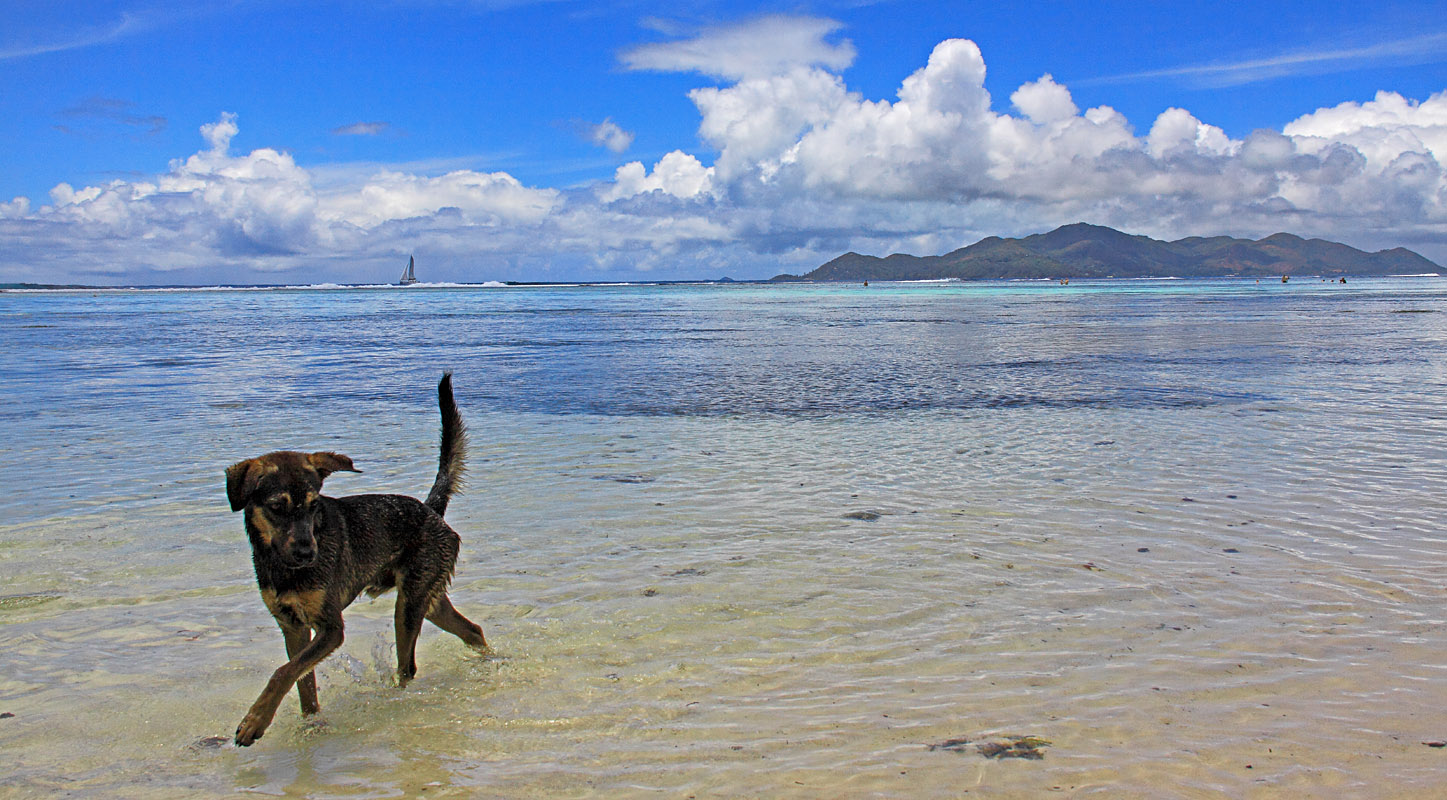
{"x": 241, "y": 480}
{"x": 327, "y": 463}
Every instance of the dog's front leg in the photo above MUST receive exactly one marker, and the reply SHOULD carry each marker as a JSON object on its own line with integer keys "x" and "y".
{"x": 297, "y": 638}
{"x": 253, "y": 725}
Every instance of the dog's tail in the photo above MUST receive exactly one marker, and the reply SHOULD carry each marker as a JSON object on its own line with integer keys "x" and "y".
{"x": 451, "y": 463}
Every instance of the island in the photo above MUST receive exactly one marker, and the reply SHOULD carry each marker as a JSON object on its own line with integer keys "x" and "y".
{"x": 1094, "y": 251}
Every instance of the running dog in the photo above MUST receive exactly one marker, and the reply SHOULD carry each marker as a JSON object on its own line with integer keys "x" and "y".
{"x": 314, "y": 555}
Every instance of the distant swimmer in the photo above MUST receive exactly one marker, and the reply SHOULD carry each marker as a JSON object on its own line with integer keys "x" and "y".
{"x": 1284, "y": 278}
{"x": 1343, "y": 280}
{"x": 866, "y": 283}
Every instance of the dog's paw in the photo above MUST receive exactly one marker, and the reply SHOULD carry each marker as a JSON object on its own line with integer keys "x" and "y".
{"x": 250, "y": 729}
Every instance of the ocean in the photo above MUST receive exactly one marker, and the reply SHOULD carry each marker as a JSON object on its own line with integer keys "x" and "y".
{"x": 1160, "y": 539}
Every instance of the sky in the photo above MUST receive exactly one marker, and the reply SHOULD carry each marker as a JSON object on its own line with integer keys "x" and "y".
{"x": 264, "y": 142}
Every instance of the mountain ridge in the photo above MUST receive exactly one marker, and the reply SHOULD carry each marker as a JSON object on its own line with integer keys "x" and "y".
{"x": 1082, "y": 250}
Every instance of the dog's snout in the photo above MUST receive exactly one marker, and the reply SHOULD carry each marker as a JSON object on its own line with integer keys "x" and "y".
{"x": 299, "y": 549}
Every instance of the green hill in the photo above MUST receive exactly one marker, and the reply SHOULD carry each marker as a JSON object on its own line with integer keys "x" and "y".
{"x": 1094, "y": 251}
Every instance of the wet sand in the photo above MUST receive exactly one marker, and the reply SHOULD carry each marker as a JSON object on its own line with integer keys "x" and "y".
{"x": 690, "y": 609}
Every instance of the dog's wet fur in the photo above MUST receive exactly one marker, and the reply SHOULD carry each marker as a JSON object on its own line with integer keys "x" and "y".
{"x": 315, "y": 554}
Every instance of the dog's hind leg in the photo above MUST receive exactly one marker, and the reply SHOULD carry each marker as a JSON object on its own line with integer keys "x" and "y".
{"x": 407, "y": 617}
{"x": 297, "y": 638}
{"x": 444, "y": 616}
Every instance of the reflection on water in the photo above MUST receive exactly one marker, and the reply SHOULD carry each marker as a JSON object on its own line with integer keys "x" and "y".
{"x": 747, "y": 541}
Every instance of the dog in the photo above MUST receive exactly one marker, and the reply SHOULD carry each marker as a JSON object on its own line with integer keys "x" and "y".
{"x": 314, "y": 555}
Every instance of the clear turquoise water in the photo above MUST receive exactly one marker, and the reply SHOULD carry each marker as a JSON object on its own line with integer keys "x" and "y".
{"x": 1173, "y": 527}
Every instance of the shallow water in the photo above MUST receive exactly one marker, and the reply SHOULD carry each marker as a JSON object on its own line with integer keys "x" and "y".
{"x": 750, "y": 540}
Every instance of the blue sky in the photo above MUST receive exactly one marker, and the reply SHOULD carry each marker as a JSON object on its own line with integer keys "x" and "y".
{"x": 259, "y": 142}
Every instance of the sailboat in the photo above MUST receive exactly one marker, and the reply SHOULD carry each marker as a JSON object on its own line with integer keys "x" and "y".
{"x": 408, "y": 277}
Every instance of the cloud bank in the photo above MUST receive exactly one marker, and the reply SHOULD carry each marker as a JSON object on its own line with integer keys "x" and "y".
{"x": 804, "y": 169}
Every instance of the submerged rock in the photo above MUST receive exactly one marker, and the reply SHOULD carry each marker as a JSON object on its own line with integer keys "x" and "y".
{"x": 1027, "y": 747}
{"x": 625, "y": 478}
{"x": 867, "y": 516}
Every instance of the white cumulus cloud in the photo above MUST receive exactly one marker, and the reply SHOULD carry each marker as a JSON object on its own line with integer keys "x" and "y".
{"x": 214, "y": 205}
{"x": 1381, "y": 129}
{"x": 755, "y": 120}
{"x": 677, "y": 174}
{"x": 804, "y": 137}
{"x": 608, "y": 134}
{"x": 1176, "y": 130}
{"x": 1044, "y": 101}
{"x": 489, "y": 199}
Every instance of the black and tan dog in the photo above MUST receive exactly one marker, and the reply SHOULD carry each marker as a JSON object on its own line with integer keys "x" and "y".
{"x": 314, "y": 555}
